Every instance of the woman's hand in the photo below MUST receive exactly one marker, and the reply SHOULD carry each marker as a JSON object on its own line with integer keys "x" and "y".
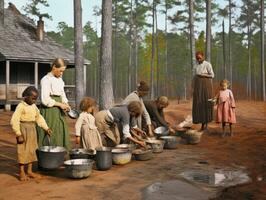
{"x": 171, "y": 129}
{"x": 20, "y": 139}
{"x": 142, "y": 143}
{"x": 65, "y": 107}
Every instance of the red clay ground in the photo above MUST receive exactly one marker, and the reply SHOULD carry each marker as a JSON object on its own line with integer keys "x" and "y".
{"x": 246, "y": 148}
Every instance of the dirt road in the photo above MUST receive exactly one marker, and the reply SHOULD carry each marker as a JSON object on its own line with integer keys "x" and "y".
{"x": 246, "y": 149}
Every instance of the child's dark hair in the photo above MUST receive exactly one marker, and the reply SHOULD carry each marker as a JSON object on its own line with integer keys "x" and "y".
{"x": 29, "y": 90}
{"x": 86, "y": 102}
{"x": 143, "y": 86}
{"x": 59, "y": 62}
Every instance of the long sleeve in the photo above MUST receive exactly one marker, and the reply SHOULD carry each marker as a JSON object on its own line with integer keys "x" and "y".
{"x": 40, "y": 120}
{"x": 145, "y": 113}
{"x": 78, "y": 126}
{"x": 46, "y": 92}
{"x": 232, "y": 99}
{"x": 15, "y": 120}
{"x": 134, "y": 97}
{"x": 210, "y": 70}
{"x": 160, "y": 118}
{"x": 155, "y": 114}
{"x": 64, "y": 98}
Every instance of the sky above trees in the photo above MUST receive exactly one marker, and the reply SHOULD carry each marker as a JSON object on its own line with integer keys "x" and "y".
{"x": 62, "y": 10}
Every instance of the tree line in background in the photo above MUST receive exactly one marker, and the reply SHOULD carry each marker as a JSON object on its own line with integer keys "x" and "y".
{"x": 164, "y": 58}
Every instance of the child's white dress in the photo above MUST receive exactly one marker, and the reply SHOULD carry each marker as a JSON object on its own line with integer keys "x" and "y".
{"x": 87, "y": 130}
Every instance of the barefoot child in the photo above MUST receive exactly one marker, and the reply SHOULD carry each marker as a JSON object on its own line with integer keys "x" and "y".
{"x": 225, "y": 106}
{"x": 86, "y": 130}
{"x": 23, "y": 123}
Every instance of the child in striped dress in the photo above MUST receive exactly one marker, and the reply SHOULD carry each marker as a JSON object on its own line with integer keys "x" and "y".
{"x": 23, "y": 123}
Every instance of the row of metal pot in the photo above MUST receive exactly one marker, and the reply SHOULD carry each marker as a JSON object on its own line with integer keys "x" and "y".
{"x": 82, "y": 160}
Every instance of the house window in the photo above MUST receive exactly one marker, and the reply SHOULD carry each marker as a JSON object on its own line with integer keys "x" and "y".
{"x": 21, "y": 72}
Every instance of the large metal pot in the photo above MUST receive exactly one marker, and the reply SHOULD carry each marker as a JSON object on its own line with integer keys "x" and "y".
{"x": 78, "y": 168}
{"x": 193, "y": 136}
{"x": 82, "y": 154}
{"x": 121, "y": 156}
{"x": 142, "y": 154}
{"x": 130, "y": 147}
{"x": 103, "y": 158}
{"x": 157, "y": 145}
{"x": 161, "y": 131}
{"x": 51, "y": 157}
{"x": 170, "y": 142}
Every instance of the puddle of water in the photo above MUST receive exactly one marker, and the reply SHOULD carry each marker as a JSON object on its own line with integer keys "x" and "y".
{"x": 174, "y": 190}
{"x": 221, "y": 178}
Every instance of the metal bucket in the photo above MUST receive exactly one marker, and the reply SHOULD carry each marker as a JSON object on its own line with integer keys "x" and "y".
{"x": 78, "y": 168}
{"x": 170, "y": 142}
{"x": 103, "y": 158}
{"x": 82, "y": 154}
{"x": 142, "y": 155}
{"x": 161, "y": 131}
{"x": 157, "y": 145}
{"x": 51, "y": 157}
{"x": 121, "y": 156}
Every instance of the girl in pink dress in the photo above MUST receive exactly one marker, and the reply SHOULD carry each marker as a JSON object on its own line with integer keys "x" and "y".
{"x": 225, "y": 106}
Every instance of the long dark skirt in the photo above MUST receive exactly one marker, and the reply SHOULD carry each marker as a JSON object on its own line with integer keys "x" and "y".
{"x": 202, "y": 110}
{"x": 55, "y": 119}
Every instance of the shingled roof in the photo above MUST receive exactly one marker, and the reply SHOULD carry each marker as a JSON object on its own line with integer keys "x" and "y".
{"x": 18, "y": 41}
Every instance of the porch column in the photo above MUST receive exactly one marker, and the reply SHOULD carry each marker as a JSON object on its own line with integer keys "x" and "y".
{"x": 36, "y": 75}
{"x": 85, "y": 79}
{"x": 7, "y": 105}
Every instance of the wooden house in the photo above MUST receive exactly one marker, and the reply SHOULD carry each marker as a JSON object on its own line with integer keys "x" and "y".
{"x": 26, "y": 54}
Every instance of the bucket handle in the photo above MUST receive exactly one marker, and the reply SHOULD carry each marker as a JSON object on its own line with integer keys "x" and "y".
{"x": 48, "y": 139}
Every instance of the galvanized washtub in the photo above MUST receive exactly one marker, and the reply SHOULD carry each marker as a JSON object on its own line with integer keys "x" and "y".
{"x": 78, "y": 168}
{"x": 51, "y": 157}
{"x": 121, "y": 156}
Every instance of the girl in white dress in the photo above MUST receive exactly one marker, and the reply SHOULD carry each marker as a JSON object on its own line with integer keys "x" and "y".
{"x": 87, "y": 135}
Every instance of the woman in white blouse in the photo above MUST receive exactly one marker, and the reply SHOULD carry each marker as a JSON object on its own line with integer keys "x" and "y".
{"x": 54, "y": 103}
{"x": 202, "y": 110}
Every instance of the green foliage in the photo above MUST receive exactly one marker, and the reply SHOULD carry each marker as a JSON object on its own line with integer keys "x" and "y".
{"x": 200, "y": 42}
{"x": 178, "y": 50}
{"x": 32, "y": 8}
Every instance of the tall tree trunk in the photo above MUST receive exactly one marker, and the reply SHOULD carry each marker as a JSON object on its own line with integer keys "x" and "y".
{"x": 78, "y": 46}
{"x": 157, "y": 55}
{"x": 106, "y": 87}
{"x": 130, "y": 49}
{"x": 115, "y": 80}
{"x": 96, "y": 71}
{"x": 192, "y": 34}
{"x": 136, "y": 45}
{"x": 230, "y": 66}
{"x": 208, "y": 30}
{"x": 166, "y": 52}
{"x": 249, "y": 63}
{"x": 224, "y": 60}
{"x": 262, "y": 32}
{"x": 152, "y": 52}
